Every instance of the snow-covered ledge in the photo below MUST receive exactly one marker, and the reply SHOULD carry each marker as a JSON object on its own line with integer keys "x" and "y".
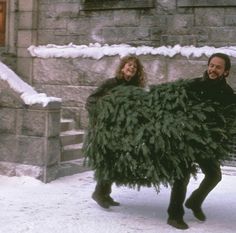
{"x": 29, "y": 129}
{"x": 26, "y": 92}
{"x": 98, "y": 51}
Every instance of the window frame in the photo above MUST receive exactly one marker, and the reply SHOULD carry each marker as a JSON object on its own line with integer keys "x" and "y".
{"x": 89, "y": 5}
{"x": 205, "y": 3}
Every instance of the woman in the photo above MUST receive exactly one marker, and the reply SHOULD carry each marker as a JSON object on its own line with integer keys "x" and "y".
{"x": 130, "y": 71}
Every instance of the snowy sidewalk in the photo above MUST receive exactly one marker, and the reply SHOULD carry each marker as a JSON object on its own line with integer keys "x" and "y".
{"x": 65, "y": 206}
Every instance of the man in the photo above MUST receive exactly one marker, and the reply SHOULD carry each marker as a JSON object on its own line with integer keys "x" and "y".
{"x": 212, "y": 86}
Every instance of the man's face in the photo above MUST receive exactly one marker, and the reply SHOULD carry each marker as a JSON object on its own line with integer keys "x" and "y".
{"x": 216, "y": 68}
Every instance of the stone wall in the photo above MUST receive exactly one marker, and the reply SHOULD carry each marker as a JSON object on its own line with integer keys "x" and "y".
{"x": 29, "y": 137}
{"x": 135, "y": 22}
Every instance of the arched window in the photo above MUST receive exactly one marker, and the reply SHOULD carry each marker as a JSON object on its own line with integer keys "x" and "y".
{"x": 2, "y": 22}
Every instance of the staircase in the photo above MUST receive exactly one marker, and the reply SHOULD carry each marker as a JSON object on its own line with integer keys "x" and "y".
{"x": 71, "y": 153}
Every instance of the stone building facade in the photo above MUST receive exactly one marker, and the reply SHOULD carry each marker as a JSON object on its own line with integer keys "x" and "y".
{"x": 135, "y": 22}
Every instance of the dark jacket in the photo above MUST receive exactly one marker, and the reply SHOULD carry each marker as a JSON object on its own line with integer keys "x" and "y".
{"x": 217, "y": 90}
{"x": 104, "y": 88}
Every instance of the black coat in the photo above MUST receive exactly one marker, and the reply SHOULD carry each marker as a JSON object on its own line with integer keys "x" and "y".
{"x": 104, "y": 89}
{"x": 217, "y": 90}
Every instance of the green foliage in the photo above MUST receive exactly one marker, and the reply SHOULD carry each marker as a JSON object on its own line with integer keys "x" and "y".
{"x": 146, "y": 138}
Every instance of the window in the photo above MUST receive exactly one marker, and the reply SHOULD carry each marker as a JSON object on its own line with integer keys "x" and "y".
{"x": 117, "y": 4}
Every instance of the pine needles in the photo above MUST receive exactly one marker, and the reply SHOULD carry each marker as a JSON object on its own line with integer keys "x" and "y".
{"x": 146, "y": 138}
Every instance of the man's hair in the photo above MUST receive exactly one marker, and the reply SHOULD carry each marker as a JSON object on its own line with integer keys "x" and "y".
{"x": 224, "y": 57}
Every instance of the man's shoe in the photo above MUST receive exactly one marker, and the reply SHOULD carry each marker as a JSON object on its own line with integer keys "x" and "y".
{"x": 177, "y": 223}
{"x": 197, "y": 211}
{"x": 111, "y": 202}
{"x": 101, "y": 200}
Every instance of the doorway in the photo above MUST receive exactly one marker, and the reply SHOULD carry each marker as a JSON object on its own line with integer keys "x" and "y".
{"x": 2, "y": 22}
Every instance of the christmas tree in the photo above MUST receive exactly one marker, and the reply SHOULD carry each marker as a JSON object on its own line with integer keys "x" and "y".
{"x": 140, "y": 137}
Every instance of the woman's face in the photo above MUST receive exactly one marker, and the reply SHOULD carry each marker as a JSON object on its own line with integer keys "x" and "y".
{"x": 129, "y": 70}
{"x": 216, "y": 68}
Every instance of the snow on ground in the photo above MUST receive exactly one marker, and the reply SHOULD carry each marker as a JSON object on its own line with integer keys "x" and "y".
{"x": 65, "y": 206}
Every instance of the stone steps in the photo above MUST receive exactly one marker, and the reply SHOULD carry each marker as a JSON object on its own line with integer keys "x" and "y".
{"x": 72, "y": 152}
{"x": 72, "y": 167}
{"x": 67, "y": 124}
{"x": 72, "y": 160}
{"x": 71, "y": 141}
{"x": 71, "y": 137}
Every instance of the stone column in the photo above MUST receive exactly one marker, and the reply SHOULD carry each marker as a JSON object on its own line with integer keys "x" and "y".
{"x": 29, "y": 138}
{"x": 26, "y": 36}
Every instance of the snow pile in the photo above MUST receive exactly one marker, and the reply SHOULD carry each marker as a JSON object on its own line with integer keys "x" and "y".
{"x": 97, "y": 51}
{"x": 28, "y": 94}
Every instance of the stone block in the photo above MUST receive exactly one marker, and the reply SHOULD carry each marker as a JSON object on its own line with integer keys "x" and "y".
{"x": 53, "y": 123}
{"x": 125, "y": 18}
{"x": 209, "y": 17}
{"x": 8, "y": 147}
{"x": 82, "y": 27}
{"x": 46, "y": 36}
{"x": 9, "y": 97}
{"x": 55, "y": 106}
{"x": 12, "y": 6}
{"x": 75, "y": 71}
{"x": 24, "y": 69}
{"x": 215, "y": 35}
{"x": 26, "y": 5}
{"x": 50, "y": 23}
{"x": 40, "y": 121}
{"x": 166, "y": 5}
{"x": 31, "y": 150}
{"x": 230, "y": 11}
{"x": 24, "y": 38}
{"x": 8, "y": 121}
{"x": 151, "y": 21}
{"x": 179, "y": 24}
{"x": 32, "y": 122}
{"x": 83, "y": 118}
{"x": 67, "y": 9}
{"x": 121, "y": 34}
{"x": 185, "y": 69}
{"x": 91, "y": 73}
{"x": 50, "y": 173}
{"x": 67, "y": 94}
{"x": 23, "y": 53}
{"x": 60, "y": 9}
{"x": 27, "y": 20}
{"x": 155, "y": 69}
{"x": 58, "y": 76}
{"x": 53, "y": 151}
{"x": 230, "y": 20}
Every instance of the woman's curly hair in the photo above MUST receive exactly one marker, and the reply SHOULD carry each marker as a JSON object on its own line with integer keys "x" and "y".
{"x": 139, "y": 77}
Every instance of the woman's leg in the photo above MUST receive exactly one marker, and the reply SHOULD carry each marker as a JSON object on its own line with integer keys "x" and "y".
{"x": 102, "y": 194}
